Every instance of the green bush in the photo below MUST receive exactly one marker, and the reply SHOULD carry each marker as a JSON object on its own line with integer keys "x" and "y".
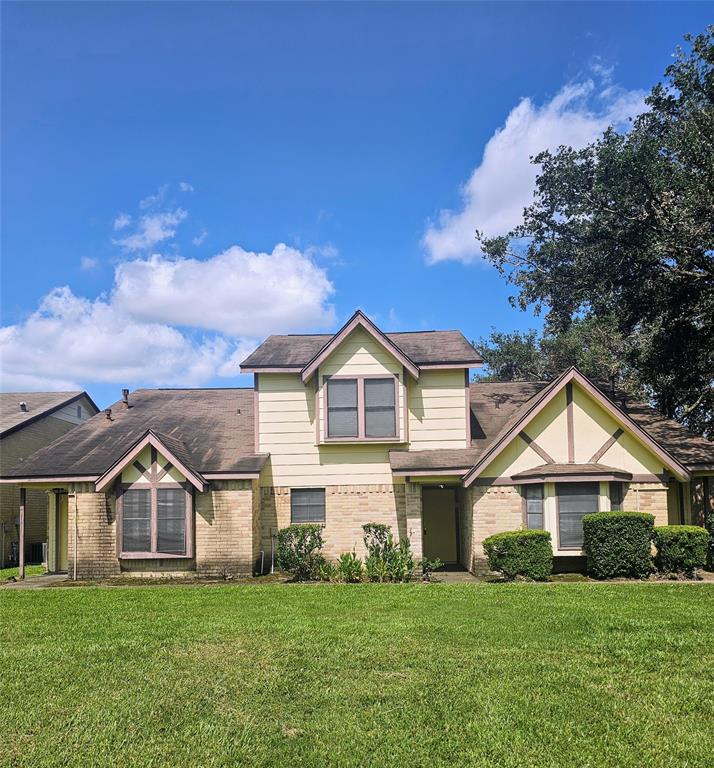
{"x": 520, "y": 553}
{"x": 299, "y": 551}
{"x": 326, "y": 570}
{"x": 710, "y": 547}
{"x": 680, "y": 548}
{"x": 387, "y": 561}
{"x": 429, "y": 566}
{"x": 349, "y": 568}
{"x": 618, "y": 544}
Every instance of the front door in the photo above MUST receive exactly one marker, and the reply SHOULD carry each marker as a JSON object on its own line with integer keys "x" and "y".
{"x": 62, "y": 559}
{"x": 439, "y": 524}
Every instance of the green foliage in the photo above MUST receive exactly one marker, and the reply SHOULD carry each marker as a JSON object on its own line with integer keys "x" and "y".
{"x": 622, "y": 231}
{"x": 618, "y": 544}
{"x": 680, "y": 548}
{"x": 326, "y": 570}
{"x": 429, "y": 566}
{"x": 349, "y": 568}
{"x": 299, "y": 551}
{"x": 710, "y": 547}
{"x": 525, "y": 553}
{"x": 387, "y": 561}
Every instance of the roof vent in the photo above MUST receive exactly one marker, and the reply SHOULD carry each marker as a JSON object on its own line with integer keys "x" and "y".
{"x": 108, "y": 413}
{"x": 23, "y": 406}
{"x": 125, "y": 397}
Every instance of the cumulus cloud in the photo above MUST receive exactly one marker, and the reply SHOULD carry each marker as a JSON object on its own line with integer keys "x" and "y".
{"x": 87, "y": 263}
{"x": 237, "y": 292}
{"x": 184, "y": 186}
{"x": 199, "y": 239}
{"x": 114, "y": 338}
{"x": 153, "y": 228}
{"x": 502, "y": 184}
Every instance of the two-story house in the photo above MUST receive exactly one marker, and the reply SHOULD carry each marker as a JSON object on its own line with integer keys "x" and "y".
{"x": 360, "y": 426}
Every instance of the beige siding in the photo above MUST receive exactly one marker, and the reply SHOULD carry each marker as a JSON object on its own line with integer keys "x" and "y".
{"x": 131, "y": 474}
{"x": 437, "y": 410}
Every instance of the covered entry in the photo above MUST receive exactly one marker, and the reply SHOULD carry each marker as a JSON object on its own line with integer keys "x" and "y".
{"x": 440, "y": 524}
{"x": 58, "y": 532}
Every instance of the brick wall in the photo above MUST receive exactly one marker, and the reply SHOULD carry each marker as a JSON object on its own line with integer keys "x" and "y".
{"x": 652, "y": 499}
{"x": 493, "y": 509}
{"x": 95, "y": 514}
{"x": 347, "y": 509}
{"x": 224, "y": 528}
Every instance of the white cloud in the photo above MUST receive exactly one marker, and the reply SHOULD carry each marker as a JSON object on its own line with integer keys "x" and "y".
{"x": 152, "y": 229}
{"x": 237, "y": 292}
{"x": 199, "y": 239}
{"x": 152, "y": 200}
{"x": 122, "y": 221}
{"x": 235, "y": 299}
{"x": 87, "y": 263}
{"x": 184, "y": 186}
{"x": 502, "y": 184}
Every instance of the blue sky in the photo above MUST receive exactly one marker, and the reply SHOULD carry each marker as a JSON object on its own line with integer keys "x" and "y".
{"x": 180, "y": 180}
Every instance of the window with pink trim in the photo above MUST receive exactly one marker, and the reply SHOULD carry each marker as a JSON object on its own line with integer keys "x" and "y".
{"x": 361, "y": 408}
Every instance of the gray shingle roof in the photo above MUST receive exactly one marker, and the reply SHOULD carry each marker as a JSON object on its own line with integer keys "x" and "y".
{"x": 215, "y": 427}
{"x": 563, "y": 470}
{"x": 495, "y": 406}
{"x": 38, "y": 403}
{"x": 423, "y": 347}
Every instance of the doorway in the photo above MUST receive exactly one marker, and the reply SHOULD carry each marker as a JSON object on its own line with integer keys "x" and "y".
{"x": 440, "y": 525}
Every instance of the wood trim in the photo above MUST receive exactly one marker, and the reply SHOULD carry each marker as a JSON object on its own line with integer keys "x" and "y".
{"x": 605, "y": 447}
{"x": 569, "y": 408}
{"x": 467, "y": 394}
{"x": 229, "y": 476}
{"x": 164, "y": 470}
{"x": 21, "y": 536}
{"x": 540, "y": 451}
{"x": 316, "y": 379}
{"x": 429, "y": 472}
{"x": 405, "y": 405}
{"x": 546, "y": 395}
{"x": 359, "y": 319}
{"x": 445, "y": 366}
{"x": 256, "y": 413}
{"x": 139, "y": 467}
{"x": 45, "y": 480}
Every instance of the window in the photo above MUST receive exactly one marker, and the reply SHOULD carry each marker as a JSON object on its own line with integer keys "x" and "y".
{"x": 155, "y": 521}
{"x": 342, "y": 419}
{"x": 79, "y": 411}
{"x": 533, "y": 495}
{"x": 361, "y": 408}
{"x": 379, "y": 409}
{"x": 616, "y": 496}
{"x": 575, "y": 500}
{"x": 307, "y": 505}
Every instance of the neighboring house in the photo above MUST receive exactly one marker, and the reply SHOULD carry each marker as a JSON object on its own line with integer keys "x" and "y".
{"x": 351, "y": 428}
{"x": 29, "y": 421}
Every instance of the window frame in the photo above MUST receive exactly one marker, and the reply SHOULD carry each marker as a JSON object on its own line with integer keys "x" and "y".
{"x": 309, "y": 522}
{"x": 615, "y": 489}
{"x": 558, "y": 487}
{"x": 524, "y": 496}
{"x": 153, "y": 553}
{"x": 361, "y": 436}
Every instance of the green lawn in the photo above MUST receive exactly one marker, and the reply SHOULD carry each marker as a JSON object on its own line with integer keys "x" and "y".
{"x": 30, "y": 570}
{"x": 369, "y": 675}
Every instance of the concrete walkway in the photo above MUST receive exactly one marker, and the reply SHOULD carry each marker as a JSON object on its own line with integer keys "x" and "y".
{"x": 36, "y": 582}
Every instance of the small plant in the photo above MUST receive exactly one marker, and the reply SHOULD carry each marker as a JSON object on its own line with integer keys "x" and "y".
{"x": 387, "y": 561}
{"x": 326, "y": 570}
{"x": 349, "y": 568}
{"x": 429, "y": 566}
{"x": 680, "y": 548}
{"x": 299, "y": 551}
{"x": 526, "y": 553}
{"x": 618, "y": 544}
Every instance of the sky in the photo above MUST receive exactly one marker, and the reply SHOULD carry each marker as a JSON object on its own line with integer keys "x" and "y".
{"x": 180, "y": 180}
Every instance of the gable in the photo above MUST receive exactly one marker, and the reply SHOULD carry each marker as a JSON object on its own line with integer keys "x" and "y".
{"x": 131, "y": 473}
{"x": 360, "y": 353}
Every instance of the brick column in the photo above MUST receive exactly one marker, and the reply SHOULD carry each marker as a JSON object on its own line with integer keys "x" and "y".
{"x": 414, "y": 520}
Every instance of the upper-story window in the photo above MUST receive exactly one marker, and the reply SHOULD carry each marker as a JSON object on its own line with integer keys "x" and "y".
{"x": 362, "y": 407}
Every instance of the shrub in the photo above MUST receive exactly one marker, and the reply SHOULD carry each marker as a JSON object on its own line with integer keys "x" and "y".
{"x": 710, "y": 548}
{"x": 349, "y": 568}
{"x": 326, "y": 570}
{"x": 387, "y": 561}
{"x": 618, "y": 544}
{"x": 299, "y": 551}
{"x": 429, "y": 566}
{"x": 680, "y": 548}
{"x": 520, "y": 553}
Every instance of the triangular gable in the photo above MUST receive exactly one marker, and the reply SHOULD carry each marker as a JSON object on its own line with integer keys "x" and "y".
{"x": 359, "y": 319}
{"x": 534, "y": 406}
{"x": 169, "y": 447}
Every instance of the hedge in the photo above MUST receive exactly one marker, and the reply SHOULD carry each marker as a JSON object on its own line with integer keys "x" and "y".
{"x": 520, "y": 553}
{"x": 618, "y": 544}
{"x": 299, "y": 550}
{"x": 680, "y": 548}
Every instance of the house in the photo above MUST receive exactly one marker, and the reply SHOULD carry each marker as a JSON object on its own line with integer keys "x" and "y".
{"x": 29, "y": 421}
{"x": 350, "y": 428}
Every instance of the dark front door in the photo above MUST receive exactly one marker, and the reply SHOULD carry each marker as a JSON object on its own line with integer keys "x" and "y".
{"x": 439, "y": 524}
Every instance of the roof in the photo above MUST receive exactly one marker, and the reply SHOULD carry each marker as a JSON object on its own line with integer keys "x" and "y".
{"x": 39, "y": 404}
{"x": 294, "y": 351}
{"x": 497, "y": 406}
{"x": 211, "y": 429}
{"x": 593, "y": 470}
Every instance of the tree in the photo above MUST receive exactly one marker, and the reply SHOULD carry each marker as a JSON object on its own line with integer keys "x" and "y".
{"x": 622, "y": 232}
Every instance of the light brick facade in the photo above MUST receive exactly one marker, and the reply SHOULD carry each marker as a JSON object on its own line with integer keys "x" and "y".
{"x": 487, "y": 510}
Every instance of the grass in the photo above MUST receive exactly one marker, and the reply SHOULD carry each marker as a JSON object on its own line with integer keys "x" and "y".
{"x": 30, "y": 570}
{"x": 416, "y": 675}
